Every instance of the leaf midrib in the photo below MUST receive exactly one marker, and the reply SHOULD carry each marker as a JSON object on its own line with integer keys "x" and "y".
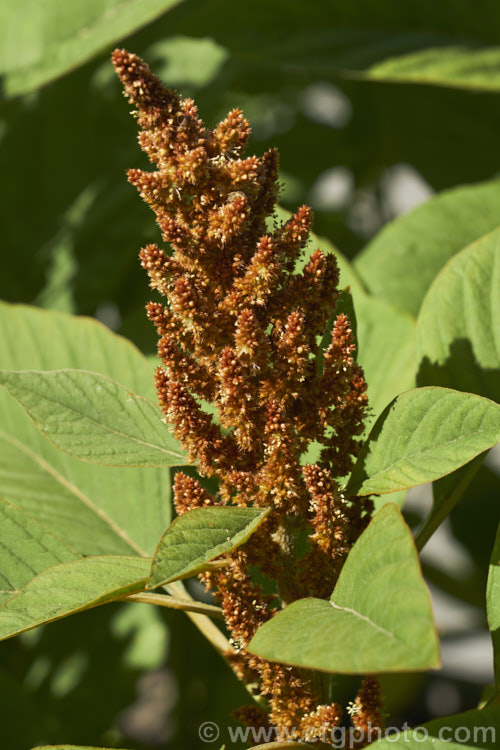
{"x": 368, "y": 620}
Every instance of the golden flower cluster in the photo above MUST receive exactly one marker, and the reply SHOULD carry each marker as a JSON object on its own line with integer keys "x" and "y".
{"x": 240, "y": 329}
{"x": 367, "y": 716}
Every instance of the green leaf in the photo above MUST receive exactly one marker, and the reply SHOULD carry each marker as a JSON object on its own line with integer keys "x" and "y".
{"x": 421, "y": 436}
{"x": 386, "y": 338}
{"x": 398, "y": 498}
{"x": 199, "y": 536}
{"x": 98, "y": 510}
{"x": 459, "y": 66}
{"x": 467, "y": 731}
{"x": 42, "y": 41}
{"x": 72, "y": 587}
{"x": 94, "y": 418}
{"x": 493, "y": 606}
{"x": 446, "y": 492}
{"x": 35, "y": 339}
{"x": 379, "y": 618}
{"x": 458, "y": 329}
{"x": 402, "y": 261}
{"x": 26, "y": 548}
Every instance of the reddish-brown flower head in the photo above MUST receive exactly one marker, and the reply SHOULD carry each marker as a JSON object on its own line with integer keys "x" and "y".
{"x": 240, "y": 330}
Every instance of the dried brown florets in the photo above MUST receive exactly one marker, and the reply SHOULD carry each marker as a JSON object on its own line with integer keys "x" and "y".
{"x": 366, "y": 712}
{"x": 318, "y": 724}
{"x": 189, "y": 494}
{"x": 252, "y": 716}
{"x": 240, "y": 330}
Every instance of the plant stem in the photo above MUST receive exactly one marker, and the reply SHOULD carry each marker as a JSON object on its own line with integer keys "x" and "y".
{"x": 446, "y": 493}
{"x": 211, "y": 633}
{"x": 214, "y": 636}
{"x": 172, "y": 602}
{"x": 200, "y": 620}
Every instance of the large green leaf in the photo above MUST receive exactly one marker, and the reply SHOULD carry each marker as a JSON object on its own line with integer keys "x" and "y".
{"x": 458, "y": 329}
{"x": 386, "y": 340}
{"x": 40, "y": 41}
{"x": 68, "y": 747}
{"x": 423, "y": 435}
{"x": 493, "y": 602}
{"x": 199, "y": 536}
{"x": 404, "y": 258}
{"x": 94, "y": 418}
{"x": 26, "y": 549}
{"x": 468, "y": 731}
{"x": 35, "y": 339}
{"x": 379, "y": 618}
{"x": 98, "y": 510}
{"x": 72, "y": 587}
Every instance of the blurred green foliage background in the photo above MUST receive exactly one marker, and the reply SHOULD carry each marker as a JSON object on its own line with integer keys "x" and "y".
{"x": 374, "y": 105}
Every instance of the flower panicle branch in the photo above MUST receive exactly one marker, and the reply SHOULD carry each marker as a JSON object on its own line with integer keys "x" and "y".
{"x": 239, "y": 329}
